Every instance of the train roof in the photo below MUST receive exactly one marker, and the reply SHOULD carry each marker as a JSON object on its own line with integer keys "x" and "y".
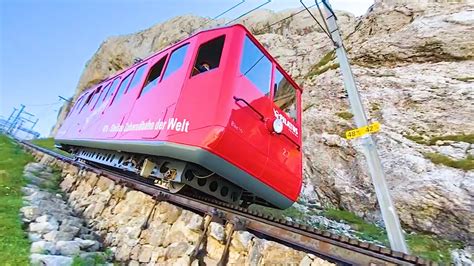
{"x": 178, "y": 43}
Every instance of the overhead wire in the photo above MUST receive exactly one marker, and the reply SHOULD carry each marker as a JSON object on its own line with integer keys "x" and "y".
{"x": 248, "y": 12}
{"x": 316, "y": 20}
{"x": 281, "y": 20}
{"x": 226, "y": 11}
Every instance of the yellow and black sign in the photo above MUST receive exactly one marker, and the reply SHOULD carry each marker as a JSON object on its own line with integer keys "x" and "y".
{"x": 359, "y": 132}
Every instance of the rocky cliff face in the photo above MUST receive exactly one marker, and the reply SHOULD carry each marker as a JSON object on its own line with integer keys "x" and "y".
{"x": 413, "y": 64}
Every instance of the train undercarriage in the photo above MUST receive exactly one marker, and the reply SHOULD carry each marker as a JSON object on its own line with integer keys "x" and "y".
{"x": 172, "y": 174}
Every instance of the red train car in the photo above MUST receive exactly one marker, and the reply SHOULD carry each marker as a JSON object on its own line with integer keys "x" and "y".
{"x": 214, "y": 112}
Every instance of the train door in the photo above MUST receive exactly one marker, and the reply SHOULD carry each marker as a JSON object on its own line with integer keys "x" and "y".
{"x": 153, "y": 111}
{"x": 285, "y": 151}
{"x": 251, "y": 107}
{"x": 201, "y": 90}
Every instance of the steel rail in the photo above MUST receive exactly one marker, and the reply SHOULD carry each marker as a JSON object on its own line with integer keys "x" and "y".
{"x": 341, "y": 250}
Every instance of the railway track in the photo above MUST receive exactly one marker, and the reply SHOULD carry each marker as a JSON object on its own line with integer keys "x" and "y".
{"x": 334, "y": 248}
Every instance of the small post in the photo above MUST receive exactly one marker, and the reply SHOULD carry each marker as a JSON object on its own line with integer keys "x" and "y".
{"x": 389, "y": 213}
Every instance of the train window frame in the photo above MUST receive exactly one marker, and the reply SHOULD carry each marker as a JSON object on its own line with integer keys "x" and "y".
{"x": 88, "y": 98}
{"x": 118, "y": 95}
{"x": 112, "y": 89}
{"x": 212, "y": 48}
{"x": 175, "y": 68}
{"x": 245, "y": 67}
{"x": 76, "y": 105}
{"x": 105, "y": 91}
{"x": 97, "y": 92}
{"x": 294, "y": 90}
{"x": 135, "y": 82}
{"x": 159, "y": 64}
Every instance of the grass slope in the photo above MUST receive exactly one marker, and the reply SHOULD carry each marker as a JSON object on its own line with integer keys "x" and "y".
{"x": 48, "y": 143}
{"x": 14, "y": 244}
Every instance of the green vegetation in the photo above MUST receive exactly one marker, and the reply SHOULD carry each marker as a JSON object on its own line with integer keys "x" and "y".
{"x": 291, "y": 212}
{"x": 423, "y": 245}
{"x": 14, "y": 244}
{"x": 95, "y": 259}
{"x": 48, "y": 143}
{"x": 469, "y": 138}
{"x": 464, "y": 164}
{"x": 375, "y": 107}
{"x": 465, "y": 79}
{"x": 308, "y": 106}
{"x": 427, "y": 246}
{"x": 416, "y": 138}
{"x": 364, "y": 229}
{"x": 345, "y": 115}
{"x": 53, "y": 182}
{"x": 324, "y": 64}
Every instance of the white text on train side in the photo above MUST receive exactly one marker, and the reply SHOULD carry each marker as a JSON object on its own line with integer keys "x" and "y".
{"x": 173, "y": 124}
{"x": 286, "y": 122}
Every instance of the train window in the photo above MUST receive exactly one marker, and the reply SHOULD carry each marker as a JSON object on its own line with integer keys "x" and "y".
{"x": 284, "y": 95}
{"x": 256, "y": 66}
{"x": 153, "y": 76}
{"x": 76, "y": 105}
{"x": 105, "y": 91}
{"x": 86, "y": 102}
{"x": 209, "y": 55}
{"x": 96, "y": 96}
{"x": 123, "y": 87}
{"x": 112, "y": 89}
{"x": 176, "y": 60}
{"x": 138, "y": 76}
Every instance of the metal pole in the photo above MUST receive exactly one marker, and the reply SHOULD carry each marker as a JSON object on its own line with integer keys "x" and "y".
{"x": 389, "y": 214}
{"x": 16, "y": 118}
{"x": 34, "y": 124}
{"x": 7, "y": 124}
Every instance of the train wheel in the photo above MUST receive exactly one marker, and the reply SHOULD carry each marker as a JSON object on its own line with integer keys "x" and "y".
{"x": 175, "y": 187}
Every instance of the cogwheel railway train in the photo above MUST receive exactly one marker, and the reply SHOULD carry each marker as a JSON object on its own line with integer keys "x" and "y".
{"x": 214, "y": 112}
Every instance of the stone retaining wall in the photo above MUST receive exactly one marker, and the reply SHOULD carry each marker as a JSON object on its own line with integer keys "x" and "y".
{"x": 119, "y": 215}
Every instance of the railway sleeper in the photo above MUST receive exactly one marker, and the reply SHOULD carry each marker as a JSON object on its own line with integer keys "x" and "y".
{"x": 167, "y": 172}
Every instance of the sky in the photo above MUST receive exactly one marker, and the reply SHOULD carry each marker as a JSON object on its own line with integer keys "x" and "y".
{"x": 44, "y": 45}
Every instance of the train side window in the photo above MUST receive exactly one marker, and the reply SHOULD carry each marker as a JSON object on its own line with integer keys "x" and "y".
{"x": 112, "y": 89}
{"x": 138, "y": 76}
{"x": 105, "y": 91}
{"x": 96, "y": 96}
{"x": 209, "y": 55}
{"x": 284, "y": 95}
{"x": 153, "y": 76}
{"x": 256, "y": 66}
{"x": 176, "y": 60}
{"x": 122, "y": 88}
{"x": 86, "y": 102}
{"x": 76, "y": 105}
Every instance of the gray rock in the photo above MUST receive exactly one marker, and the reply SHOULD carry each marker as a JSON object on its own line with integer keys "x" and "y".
{"x": 43, "y": 247}
{"x": 56, "y": 236}
{"x": 71, "y": 229}
{"x": 452, "y": 151}
{"x": 43, "y": 227}
{"x": 29, "y": 190}
{"x": 43, "y": 219}
{"x": 50, "y": 260}
{"x": 461, "y": 145}
{"x": 217, "y": 231}
{"x": 68, "y": 248}
{"x": 30, "y": 212}
{"x": 34, "y": 237}
{"x": 89, "y": 245}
